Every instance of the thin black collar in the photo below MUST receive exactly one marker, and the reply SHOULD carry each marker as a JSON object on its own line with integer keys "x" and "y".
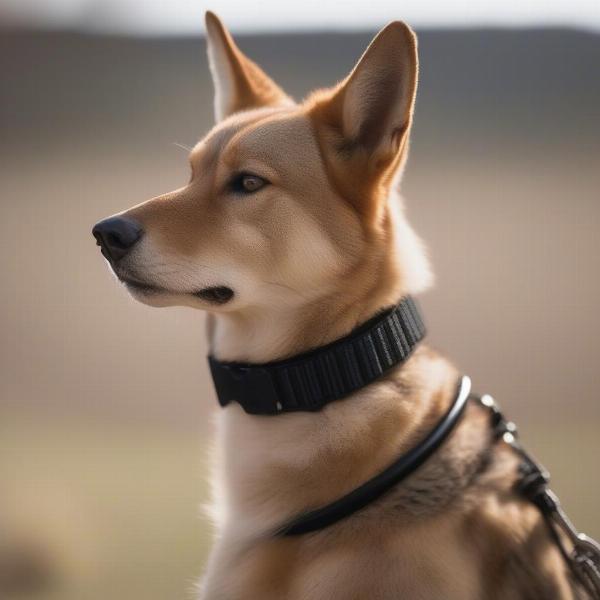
{"x": 309, "y": 381}
{"x": 398, "y": 471}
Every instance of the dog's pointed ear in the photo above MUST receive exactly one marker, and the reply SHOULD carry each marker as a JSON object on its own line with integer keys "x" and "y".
{"x": 378, "y": 96}
{"x": 240, "y": 84}
{"x": 366, "y": 119}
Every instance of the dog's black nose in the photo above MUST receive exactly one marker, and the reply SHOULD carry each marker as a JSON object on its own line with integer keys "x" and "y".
{"x": 116, "y": 236}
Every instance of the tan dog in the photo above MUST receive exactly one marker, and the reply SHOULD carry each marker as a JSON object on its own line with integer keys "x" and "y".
{"x": 290, "y": 233}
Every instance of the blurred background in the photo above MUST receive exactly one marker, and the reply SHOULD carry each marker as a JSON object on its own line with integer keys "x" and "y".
{"x": 105, "y": 405}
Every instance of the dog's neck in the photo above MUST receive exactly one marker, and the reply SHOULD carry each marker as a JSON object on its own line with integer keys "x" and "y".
{"x": 273, "y": 468}
{"x": 263, "y": 336}
{"x": 359, "y": 435}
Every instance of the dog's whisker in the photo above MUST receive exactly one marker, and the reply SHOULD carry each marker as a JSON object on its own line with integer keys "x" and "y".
{"x": 182, "y": 146}
{"x": 285, "y": 287}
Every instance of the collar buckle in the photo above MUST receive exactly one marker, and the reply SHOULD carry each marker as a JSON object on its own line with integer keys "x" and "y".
{"x": 234, "y": 382}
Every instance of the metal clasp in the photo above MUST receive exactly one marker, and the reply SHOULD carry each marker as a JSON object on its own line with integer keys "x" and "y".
{"x": 585, "y": 556}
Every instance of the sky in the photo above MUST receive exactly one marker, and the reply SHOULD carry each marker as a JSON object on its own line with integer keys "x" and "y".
{"x": 184, "y": 17}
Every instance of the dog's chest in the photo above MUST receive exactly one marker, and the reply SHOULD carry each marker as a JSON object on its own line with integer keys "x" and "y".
{"x": 375, "y": 563}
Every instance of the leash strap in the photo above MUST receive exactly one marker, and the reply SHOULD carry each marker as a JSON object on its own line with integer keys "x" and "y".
{"x": 581, "y": 552}
{"x": 309, "y": 381}
{"x": 374, "y": 488}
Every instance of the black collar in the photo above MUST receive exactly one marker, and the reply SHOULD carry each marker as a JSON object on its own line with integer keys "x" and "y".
{"x": 309, "y": 381}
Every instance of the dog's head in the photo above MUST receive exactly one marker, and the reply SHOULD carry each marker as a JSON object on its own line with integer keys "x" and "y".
{"x": 287, "y": 203}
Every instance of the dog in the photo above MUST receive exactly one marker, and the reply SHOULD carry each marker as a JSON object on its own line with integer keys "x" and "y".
{"x": 291, "y": 233}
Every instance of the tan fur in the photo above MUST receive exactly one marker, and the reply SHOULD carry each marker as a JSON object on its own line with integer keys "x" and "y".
{"x": 317, "y": 251}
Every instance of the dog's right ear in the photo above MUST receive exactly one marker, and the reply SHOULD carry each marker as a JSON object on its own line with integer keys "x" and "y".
{"x": 240, "y": 84}
{"x": 365, "y": 121}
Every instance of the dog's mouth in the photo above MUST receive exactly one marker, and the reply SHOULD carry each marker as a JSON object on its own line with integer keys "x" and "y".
{"x": 141, "y": 286}
{"x": 217, "y": 294}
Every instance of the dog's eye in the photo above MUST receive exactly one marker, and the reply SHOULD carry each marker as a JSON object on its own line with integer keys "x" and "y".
{"x": 246, "y": 183}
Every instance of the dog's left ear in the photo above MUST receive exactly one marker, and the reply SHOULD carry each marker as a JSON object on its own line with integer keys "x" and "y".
{"x": 364, "y": 122}
{"x": 240, "y": 84}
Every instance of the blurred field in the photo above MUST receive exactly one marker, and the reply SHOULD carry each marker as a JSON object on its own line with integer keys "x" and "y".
{"x": 105, "y": 405}
{"x": 112, "y": 510}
